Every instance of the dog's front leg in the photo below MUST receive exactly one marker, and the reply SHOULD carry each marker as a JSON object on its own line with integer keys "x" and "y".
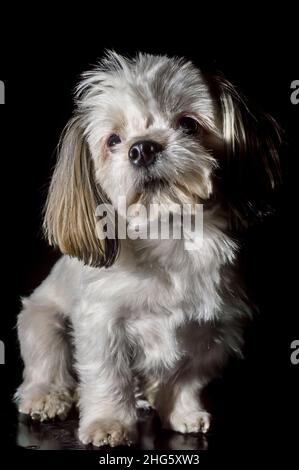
{"x": 106, "y": 392}
{"x": 179, "y": 405}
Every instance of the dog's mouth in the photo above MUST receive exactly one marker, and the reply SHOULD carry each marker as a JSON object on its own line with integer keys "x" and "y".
{"x": 148, "y": 188}
{"x": 159, "y": 184}
{"x": 154, "y": 185}
{"x": 153, "y": 190}
{"x": 151, "y": 182}
{"x": 159, "y": 190}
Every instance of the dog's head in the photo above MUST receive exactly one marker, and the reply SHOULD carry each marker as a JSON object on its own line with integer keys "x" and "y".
{"x": 153, "y": 129}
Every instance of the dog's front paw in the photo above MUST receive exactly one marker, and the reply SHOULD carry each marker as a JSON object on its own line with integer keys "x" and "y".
{"x": 108, "y": 432}
{"x": 195, "y": 422}
{"x": 42, "y": 405}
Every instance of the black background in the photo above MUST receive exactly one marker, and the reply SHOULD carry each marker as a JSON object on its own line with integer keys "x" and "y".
{"x": 256, "y": 402}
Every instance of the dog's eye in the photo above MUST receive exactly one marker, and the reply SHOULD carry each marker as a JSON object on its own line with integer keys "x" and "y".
{"x": 114, "y": 139}
{"x": 188, "y": 125}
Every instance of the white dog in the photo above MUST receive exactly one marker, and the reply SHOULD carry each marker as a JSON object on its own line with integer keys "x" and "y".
{"x": 117, "y": 318}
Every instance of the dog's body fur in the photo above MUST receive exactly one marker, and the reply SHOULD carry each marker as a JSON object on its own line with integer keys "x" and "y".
{"x": 160, "y": 318}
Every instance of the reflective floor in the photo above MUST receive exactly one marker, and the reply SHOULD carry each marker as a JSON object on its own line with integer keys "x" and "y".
{"x": 248, "y": 426}
{"x": 255, "y": 417}
{"x": 63, "y": 435}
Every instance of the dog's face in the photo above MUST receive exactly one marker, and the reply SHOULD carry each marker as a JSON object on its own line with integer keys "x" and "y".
{"x": 153, "y": 129}
{"x": 148, "y": 125}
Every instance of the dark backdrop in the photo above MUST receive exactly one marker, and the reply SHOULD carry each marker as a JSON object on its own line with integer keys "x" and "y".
{"x": 257, "y": 400}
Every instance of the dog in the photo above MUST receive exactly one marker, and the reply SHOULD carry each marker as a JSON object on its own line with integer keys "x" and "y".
{"x": 125, "y": 319}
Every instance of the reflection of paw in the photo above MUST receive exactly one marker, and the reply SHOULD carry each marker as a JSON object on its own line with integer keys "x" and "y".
{"x": 42, "y": 406}
{"x": 190, "y": 423}
{"x": 107, "y": 432}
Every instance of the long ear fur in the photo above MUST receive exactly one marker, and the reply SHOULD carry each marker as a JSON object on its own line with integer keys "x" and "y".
{"x": 70, "y": 220}
{"x": 248, "y": 161}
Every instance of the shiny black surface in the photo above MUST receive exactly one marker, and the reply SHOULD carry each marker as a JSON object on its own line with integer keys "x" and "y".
{"x": 254, "y": 416}
{"x": 63, "y": 436}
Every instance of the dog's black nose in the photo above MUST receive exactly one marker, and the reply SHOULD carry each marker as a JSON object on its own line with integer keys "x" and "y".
{"x": 144, "y": 152}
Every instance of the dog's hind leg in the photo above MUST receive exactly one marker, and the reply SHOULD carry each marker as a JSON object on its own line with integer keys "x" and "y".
{"x": 48, "y": 384}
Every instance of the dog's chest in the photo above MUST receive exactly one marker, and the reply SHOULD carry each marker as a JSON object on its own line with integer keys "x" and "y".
{"x": 164, "y": 340}
{"x": 172, "y": 318}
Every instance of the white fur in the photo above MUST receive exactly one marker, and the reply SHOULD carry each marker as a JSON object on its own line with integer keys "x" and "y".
{"x": 160, "y": 316}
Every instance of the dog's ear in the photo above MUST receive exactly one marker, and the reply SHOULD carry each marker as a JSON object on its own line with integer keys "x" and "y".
{"x": 249, "y": 168}
{"x": 70, "y": 213}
